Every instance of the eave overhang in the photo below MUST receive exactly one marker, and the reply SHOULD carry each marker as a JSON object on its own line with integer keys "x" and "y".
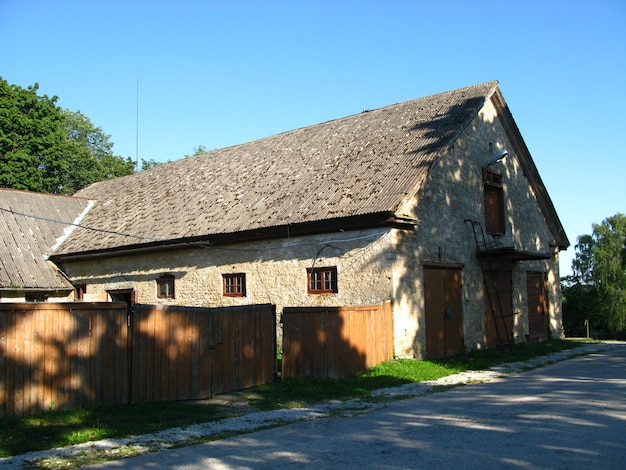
{"x": 513, "y": 254}
{"x": 336, "y": 225}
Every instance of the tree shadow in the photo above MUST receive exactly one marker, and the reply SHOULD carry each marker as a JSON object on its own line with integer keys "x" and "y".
{"x": 461, "y": 141}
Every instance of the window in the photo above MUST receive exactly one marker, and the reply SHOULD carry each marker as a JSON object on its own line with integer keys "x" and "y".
{"x": 494, "y": 203}
{"x": 234, "y": 285}
{"x": 321, "y": 280}
{"x": 81, "y": 290}
{"x": 165, "y": 287}
{"x": 36, "y": 297}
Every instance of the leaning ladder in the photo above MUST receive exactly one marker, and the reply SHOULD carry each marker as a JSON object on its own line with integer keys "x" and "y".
{"x": 495, "y": 295}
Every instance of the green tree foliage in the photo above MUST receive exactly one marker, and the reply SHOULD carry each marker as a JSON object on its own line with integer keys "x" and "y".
{"x": 31, "y": 132}
{"x": 199, "y": 150}
{"x": 147, "y": 164}
{"x": 89, "y": 155}
{"x": 46, "y": 149}
{"x": 609, "y": 271}
{"x": 596, "y": 291}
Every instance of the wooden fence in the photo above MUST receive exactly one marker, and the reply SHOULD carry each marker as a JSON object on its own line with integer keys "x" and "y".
{"x": 64, "y": 355}
{"x": 335, "y": 342}
{"x": 61, "y": 355}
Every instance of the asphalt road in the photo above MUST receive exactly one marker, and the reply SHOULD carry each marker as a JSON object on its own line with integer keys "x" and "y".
{"x": 568, "y": 415}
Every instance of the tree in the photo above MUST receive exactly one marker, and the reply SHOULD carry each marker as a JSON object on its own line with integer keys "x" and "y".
{"x": 44, "y": 148}
{"x": 31, "y": 137}
{"x": 199, "y": 150}
{"x": 147, "y": 164}
{"x": 596, "y": 290}
{"x": 609, "y": 270}
{"x": 89, "y": 154}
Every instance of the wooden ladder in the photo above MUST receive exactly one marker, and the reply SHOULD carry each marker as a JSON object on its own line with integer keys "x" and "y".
{"x": 495, "y": 295}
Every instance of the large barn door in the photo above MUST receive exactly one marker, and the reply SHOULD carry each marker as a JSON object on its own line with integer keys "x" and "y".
{"x": 444, "y": 312}
{"x": 538, "y": 325}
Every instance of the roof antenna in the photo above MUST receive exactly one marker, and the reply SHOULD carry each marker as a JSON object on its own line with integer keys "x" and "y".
{"x": 137, "y": 132}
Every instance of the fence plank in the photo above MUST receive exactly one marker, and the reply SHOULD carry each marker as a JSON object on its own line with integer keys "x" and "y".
{"x": 10, "y": 365}
{"x": 3, "y": 364}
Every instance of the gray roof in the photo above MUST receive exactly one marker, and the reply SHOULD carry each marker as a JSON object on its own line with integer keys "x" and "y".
{"x": 29, "y": 233}
{"x": 339, "y": 170}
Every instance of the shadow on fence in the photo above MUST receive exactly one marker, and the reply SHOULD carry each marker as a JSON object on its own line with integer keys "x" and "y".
{"x": 65, "y": 355}
{"x": 335, "y": 342}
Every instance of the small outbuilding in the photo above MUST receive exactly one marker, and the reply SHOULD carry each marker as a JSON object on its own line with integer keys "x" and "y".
{"x": 31, "y": 231}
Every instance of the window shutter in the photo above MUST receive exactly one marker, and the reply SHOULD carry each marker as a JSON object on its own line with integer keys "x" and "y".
{"x": 494, "y": 210}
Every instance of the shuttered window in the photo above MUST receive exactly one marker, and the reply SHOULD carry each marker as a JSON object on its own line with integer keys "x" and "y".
{"x": 494, "y": 203}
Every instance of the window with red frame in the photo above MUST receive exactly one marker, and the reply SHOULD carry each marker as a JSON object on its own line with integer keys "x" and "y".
{"x": 234, "y": 285}
{"x": 322, "y": 280}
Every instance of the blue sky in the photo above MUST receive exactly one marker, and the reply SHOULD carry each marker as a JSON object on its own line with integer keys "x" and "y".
{"x": 219, "y": 73}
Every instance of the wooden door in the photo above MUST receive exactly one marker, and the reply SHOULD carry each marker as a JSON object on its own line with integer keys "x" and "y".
{"x": 538, "y": 318}
{"x": 498, "y": 308}
{"x": 444, "y": 312}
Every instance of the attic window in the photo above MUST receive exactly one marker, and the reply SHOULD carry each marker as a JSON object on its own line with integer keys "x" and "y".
{"x": 234, "y": 285}
{"x": 494, "y": 203}
{"x": 322, "y": 280}
{"x": 165, "y": 287}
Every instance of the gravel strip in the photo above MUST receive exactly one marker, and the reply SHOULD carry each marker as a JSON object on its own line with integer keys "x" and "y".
{"x": 110, "y": 449}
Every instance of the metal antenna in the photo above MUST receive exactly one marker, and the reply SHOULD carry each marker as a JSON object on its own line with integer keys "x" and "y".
{"x": 137, "y": 132}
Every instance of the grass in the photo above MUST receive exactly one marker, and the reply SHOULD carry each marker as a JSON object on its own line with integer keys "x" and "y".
{"x": 63, "y": 428}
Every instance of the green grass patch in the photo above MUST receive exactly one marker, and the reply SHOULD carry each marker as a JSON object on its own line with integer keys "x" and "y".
{"x": 484, "y": 359}
{"x": 62, "y": 428}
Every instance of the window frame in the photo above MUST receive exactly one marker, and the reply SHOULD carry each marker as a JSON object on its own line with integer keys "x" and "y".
{"x": 319, "y": 277}
{"x": 81, "y": 290}
{"x": 166, "y": 280}
{"x": 238, "y": 284}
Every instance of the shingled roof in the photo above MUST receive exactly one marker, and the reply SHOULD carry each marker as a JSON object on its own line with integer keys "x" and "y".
{"x": 339, "y": 170}
{"x": 343, "y": 174}
{"x": 30, "y": 231}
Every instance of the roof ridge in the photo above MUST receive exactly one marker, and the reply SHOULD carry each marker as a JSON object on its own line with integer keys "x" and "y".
{"x": 493, "y": 84}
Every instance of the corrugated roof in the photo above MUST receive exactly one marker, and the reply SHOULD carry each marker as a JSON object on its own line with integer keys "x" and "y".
{"x": 29, "y": 234}
{"x": 361, "y": 164}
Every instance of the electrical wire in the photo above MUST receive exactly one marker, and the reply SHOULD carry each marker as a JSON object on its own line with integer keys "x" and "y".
{"x": 205, "y": 245}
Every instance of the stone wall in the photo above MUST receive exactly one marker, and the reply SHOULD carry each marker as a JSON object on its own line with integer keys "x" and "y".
{"x": 276, "y": 271}
{"x": 452, "y": 194}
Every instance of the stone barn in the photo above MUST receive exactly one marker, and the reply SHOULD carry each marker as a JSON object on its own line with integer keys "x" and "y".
{"x": 434, "y": 204}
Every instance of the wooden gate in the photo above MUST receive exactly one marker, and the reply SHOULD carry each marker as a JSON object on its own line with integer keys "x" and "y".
{"x": 183, "y": 353}
{"x": 538, "y": 319}
{"x": 67, "y": 355}
{"x": 335, "y": 342}
{"x": 444, "y": 312}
